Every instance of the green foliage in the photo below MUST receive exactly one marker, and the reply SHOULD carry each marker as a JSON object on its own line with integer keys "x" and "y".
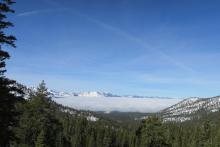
{"x": 205, "y": 134}
{"x": 153, "y": 133}
{"x": 41, "y": 139}
{"x": 38, "y": 124}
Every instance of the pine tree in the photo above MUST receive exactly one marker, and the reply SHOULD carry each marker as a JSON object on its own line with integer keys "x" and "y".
{"x": 38, "y": 123}
{"x": 10, "y": 94}
{"x": 106, "y": 138}
{"x": 153, "y": 133}
{"x": 217, "y": 138}
{"x": 42, "y": 91}
{"x": 4, "y": 38}
{"x": 205, "y": 134}
{"x": 41, "y": 139}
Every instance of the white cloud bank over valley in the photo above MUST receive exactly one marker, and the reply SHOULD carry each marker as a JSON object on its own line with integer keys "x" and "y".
{"x": 122, "y": 104}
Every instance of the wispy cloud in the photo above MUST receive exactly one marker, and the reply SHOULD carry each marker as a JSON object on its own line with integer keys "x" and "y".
{"x": 138, "y": 41}
{"x": 28, "y": 13}
{"x": 36, "y": 12}
{"x": 126, "y": 35}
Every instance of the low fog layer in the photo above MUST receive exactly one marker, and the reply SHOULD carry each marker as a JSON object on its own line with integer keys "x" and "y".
{"x": 122, "y": 104}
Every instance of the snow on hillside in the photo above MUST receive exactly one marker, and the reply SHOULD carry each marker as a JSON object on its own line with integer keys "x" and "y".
{"x": 123, "y": 104}
{"x": 187, "y": 108}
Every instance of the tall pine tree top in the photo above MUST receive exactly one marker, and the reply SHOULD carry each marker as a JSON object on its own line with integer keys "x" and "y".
{"x": 5, "y": 39}
{"x": 42, "y": 90}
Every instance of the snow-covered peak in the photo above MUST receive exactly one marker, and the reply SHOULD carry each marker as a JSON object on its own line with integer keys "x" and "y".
{"x": 96, "y": 94}
{"x": 81, "y": 94}
{"x": 62, "y": 93}
{"x": 91, "y": 94}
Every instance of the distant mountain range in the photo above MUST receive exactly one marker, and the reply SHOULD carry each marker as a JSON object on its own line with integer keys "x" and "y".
{"x": 97, "y": 94}
{"x": 82, "y": 94}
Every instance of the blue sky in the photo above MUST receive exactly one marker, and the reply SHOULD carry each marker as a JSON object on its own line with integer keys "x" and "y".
{"x": 143, "y": 47}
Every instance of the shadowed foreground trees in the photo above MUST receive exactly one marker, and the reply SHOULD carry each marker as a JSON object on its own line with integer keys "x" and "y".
{"x": 10, "y": 94}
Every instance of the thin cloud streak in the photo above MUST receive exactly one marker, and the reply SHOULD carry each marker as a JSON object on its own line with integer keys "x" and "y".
{"x": 36, "y": 12}
{"x": 129, "y": 37}
{"x": 138, "y": 41}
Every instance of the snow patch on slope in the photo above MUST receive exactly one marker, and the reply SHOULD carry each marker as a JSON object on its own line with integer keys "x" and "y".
{"x": 186, "y": 109}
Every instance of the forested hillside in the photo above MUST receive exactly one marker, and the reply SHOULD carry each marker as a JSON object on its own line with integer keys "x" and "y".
{"x": 44, "y": 123}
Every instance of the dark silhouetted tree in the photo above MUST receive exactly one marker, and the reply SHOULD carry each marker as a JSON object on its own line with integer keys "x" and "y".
{"x": 9, "y": 91}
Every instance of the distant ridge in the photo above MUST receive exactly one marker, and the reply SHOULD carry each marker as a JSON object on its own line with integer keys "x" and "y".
{"x": 98, "y": 94}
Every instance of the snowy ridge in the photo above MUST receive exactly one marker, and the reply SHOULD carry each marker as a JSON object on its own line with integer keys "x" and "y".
{"x": 186, "y": 109}
{"x": 82, "y": 94}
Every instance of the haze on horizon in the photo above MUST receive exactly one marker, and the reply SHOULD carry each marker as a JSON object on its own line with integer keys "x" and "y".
{"x": 146, "y": 47}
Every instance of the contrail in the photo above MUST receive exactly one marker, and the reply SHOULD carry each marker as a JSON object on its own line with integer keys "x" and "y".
{"x": 35, "y": 12}
{"x": 126, "y": 35}
{"x": 136, "y": 40}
